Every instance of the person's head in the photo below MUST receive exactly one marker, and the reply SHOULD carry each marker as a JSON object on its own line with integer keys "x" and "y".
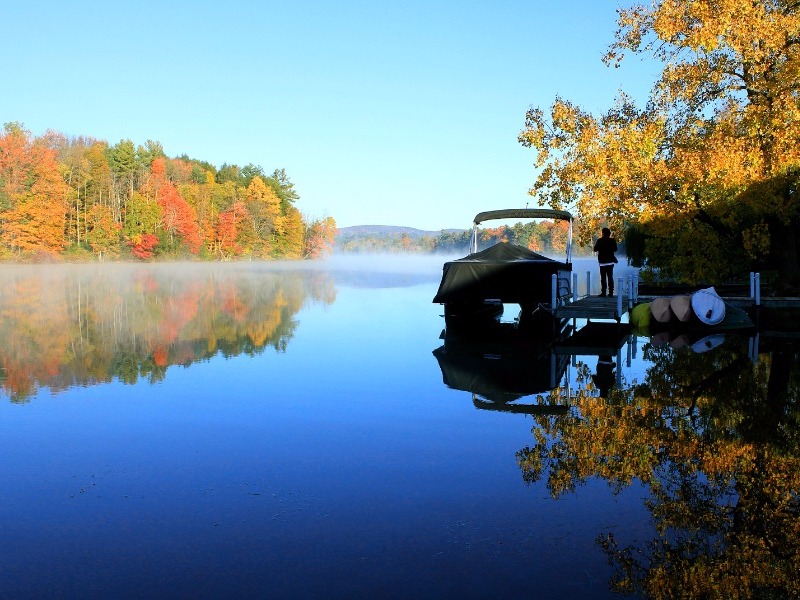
{"x": 606, "y": 232}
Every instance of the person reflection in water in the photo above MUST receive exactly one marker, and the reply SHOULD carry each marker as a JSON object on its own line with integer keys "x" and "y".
{"x": 604, "y": 376}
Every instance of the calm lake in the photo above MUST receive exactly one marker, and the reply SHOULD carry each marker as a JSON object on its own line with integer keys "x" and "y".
{"x": 253, "y": 430}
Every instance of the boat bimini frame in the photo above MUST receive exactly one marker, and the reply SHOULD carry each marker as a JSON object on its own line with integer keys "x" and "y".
{"x": 521, "y": 213}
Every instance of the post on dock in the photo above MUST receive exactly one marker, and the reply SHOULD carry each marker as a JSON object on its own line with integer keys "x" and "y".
{"x": 630, "y": 290}
{"x": 619, "y": 297}
{"x": 633, "y": 289}
{"x": 588, "y": 283}
{"x": 758, "y": 289}
{"x": 554, "y": 292}
{"x": 574, "y": 287}
{"x": 755, "y": 288}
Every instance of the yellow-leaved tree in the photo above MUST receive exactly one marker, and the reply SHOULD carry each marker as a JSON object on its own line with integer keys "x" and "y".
{"x": 265, "y": 211}
{"x": 703, "y": 180}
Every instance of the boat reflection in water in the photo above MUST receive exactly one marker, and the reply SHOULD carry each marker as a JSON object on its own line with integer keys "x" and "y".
{"x": 500, "y": 373}
{"x": 501, "y": 370}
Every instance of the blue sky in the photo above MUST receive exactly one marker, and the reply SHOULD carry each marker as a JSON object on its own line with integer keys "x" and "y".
{"x": 393, "y": 114}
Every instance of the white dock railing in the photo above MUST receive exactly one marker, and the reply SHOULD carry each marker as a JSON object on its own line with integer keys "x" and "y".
{"x": 632, "y": 290}
{"x": 560, "y": 297}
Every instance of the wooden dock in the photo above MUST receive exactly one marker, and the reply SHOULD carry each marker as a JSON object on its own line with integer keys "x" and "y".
{"x": 610, "y": 307}
{"x": 594, "y": 307}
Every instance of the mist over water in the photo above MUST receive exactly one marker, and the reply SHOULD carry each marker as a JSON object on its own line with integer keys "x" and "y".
{"x": 430, "y": 265}
{"x": 126, "y": 320}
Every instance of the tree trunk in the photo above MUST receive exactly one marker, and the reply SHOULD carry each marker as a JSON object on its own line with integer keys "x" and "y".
{"x": 785, "y": 246}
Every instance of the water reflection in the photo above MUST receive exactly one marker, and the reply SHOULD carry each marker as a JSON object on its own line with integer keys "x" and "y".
{"x": 497, "y": 374}
{"x": 503, "y": 369}
{"x": 712, "y": 432}
{"x": 335, "y": 468}
{"x": 63, "y": 326}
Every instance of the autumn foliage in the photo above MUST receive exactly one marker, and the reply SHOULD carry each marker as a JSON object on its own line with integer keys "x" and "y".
{"x": 705, "y": 176}
{"x": 79, "y": 198}
{"x": 33, "y": 197}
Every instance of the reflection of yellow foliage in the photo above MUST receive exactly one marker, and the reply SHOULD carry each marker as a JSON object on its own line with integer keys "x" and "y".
{"x": 713, "y": 437}
{"x": 35, "y": 333}
{"x": 260, "y": 331}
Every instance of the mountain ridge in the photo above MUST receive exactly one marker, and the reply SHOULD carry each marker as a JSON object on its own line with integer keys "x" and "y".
{"x": 361, "y": 230}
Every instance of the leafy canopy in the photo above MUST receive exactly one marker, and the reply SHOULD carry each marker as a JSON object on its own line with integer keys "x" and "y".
{"x": 707, "y": 171}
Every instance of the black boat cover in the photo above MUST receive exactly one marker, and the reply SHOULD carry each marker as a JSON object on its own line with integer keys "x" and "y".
{"x": 506, "y": 272}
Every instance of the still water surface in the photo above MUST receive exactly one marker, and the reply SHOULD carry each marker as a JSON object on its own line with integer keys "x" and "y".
{"x": 253, "y": 430}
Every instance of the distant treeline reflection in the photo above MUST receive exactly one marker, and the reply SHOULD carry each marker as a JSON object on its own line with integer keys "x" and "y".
{"x": 63, "y": 327}
{"x": 715, "y": 439}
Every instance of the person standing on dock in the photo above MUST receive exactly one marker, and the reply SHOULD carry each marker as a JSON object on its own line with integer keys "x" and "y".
{"x": 605, "y": 248}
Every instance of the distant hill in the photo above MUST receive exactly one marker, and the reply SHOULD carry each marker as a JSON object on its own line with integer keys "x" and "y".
{"x": 392, "y": 230}
{"x": 397, "y": 239}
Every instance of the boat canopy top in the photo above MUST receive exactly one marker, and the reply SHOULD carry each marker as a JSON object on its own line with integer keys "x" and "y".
{"x": 521, "y": 213}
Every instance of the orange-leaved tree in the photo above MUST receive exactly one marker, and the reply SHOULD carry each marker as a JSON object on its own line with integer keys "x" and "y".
{"x": 178, "y": 217}
{"x": 33, "y": 195}
{"x": 319, "y": 237}
{"x": 229, "y": 227}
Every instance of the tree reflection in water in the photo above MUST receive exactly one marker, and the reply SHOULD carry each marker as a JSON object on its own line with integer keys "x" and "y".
{"x": 714, "y": 437}
{"x": 79, "y": 325}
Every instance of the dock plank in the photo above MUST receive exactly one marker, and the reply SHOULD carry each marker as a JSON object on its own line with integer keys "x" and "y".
{"x": 593, "y": 307}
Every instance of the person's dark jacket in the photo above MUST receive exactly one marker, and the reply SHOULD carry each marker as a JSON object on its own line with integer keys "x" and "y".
{"x": 605, "y": 248}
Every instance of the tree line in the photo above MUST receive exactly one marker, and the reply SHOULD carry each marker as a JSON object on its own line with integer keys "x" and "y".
{"x": 545, "y": 237}
{"x": 83, "y": 199}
